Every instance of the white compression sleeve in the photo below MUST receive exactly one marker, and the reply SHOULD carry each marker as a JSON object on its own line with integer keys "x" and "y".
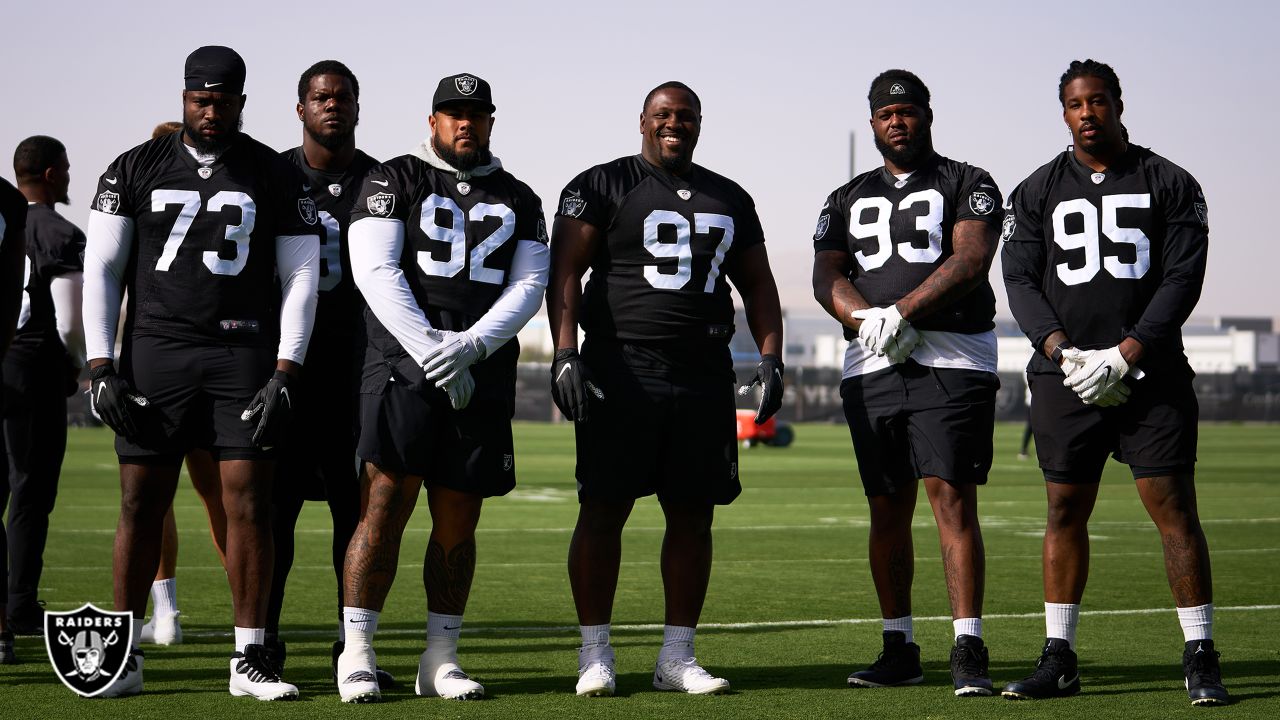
{"x": 375, "y": 245}
{"x": 519, "y": 300}
{"x": 298, "y": 265}
{"x": 67, "y": 292}
{"x": 106, "y": 255}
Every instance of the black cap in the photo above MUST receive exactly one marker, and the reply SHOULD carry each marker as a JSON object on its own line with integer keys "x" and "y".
{"x": 215, "y": 68}
{"x": 464, "y": 87}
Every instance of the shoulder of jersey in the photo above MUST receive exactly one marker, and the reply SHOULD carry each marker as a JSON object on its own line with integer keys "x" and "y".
{"x": 858, "y": 181}
{"x": 1166, "y": 168}
{"x": 1040, "y": 178}
{"x": 719, "y": 179}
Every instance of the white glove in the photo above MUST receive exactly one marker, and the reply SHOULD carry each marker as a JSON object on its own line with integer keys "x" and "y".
{"x": 1118, "y": 395}
{"x": 459, "y": 388}
{"x": 901, "y": 347}
{"x": 455, "y": 352}
{"x": 1097, "y": 375}
{"x": 879, "y": 326}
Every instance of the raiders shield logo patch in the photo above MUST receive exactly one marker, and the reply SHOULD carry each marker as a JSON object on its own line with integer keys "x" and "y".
{"x": 573, "y": 204}
{"x": 897, "y": 89}
{"x": 465, "y": 84}
{"x": 307, "y": 211}
{"x": 542, "y": 230}
{"x": 981, "y": 203}
{"x": 381, "y": 204}
{"x": 108, "y": 202}
{"x": 823, "y": 222}
{"x": 88, "y": 647}
{"x": 1007, "y": 228}
{"x": 1202, "y": 212}
{"x": 508, "y": 462}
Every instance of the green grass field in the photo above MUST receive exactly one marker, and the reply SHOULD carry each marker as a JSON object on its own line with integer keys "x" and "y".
{"x": 791, "y": 609}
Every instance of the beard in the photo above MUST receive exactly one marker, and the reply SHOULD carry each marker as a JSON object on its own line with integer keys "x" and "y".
{"x": 916, "y": 149}
{"x": 465, "y": 161}
{"x": 215, "y": 146}
{"x": 334, "y": 140}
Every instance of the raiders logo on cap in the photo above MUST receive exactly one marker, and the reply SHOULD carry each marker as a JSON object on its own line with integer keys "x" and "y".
{"x": 465, "y": 84}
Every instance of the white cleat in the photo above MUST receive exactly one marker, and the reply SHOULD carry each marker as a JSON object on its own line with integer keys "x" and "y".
{"x": 357, "y": 676}
{"x": 252, "y": 676}
{"x": 686, "y": 675}
{"x": 130, "y": 681}
{"x": 597, "y": 679}
{"x": 163, "y": 630}
{"x": 445, "y": 680}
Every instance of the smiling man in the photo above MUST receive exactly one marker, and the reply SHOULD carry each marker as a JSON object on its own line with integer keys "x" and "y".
{"x": 901, "y": 260}
{"x": 651, "y": 394}
{"x": 1104, "y": 258}
{"x": 449, "y": 251}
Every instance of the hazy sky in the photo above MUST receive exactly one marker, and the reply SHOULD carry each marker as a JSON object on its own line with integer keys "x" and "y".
{"x": 782, "y": 85}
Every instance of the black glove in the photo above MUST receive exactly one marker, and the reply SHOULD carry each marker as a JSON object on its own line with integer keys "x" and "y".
{"x": 273, "y": 408}
{"x": 769, "y": 378}
{"x": 571, "y": 384}
{"x": 113, "y": 400}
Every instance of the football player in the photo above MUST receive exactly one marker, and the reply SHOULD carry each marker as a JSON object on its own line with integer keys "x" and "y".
{"x": 13, "y": 217}
{"x": 651, "y": 393}
{"x": 901, "y": 260}
{"x": 197, "y": 226}
{"x": 449, "y": 251}
{"x": 41, "y": 369}
{"x": 318, "y": 460}
{"x": 1104, "y": 258}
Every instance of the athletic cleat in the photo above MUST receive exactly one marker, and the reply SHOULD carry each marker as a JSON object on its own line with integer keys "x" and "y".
{"x": 385, "y": 679}
{"x": 7, "y": 657}
{"x": 969, "y": 661}
{"x": 252, "y": 676}
{"x": 898, "y": 664}
{"x": 357, "y": 681}
{"x": 1203, "y": 674}
{"x": 163, "y": 630}
{"x": 686, "y": 675}
{"x": 130, "y": 681}
{"x": 596, "y": 675}
{"x": 1057, "y": 674}
{"x": 445, "y": 680}
{"x": 275, "y": 653}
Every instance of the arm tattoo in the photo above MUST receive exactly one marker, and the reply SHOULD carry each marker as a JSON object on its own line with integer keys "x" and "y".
{"x": 956, "y": 276}
{"x": 447, "y": 576}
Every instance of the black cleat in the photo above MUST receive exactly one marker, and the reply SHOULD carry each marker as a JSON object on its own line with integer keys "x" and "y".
{"x": 274, "y": 654}
{"x": 1204, "y": 675}
{"x": 969, "y": 667}
{"x": 1057, "y": 674}
{"x": 385, "y": 680}
{"x": 7, "y": 657}
{"x": 898, "y": 664}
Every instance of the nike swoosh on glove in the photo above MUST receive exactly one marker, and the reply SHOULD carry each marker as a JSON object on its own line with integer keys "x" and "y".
{"x": 459, "y": 387}
{"x": 879, "y": 326}
{"x": 901, "y": 347}
{"x": 1101, "y": 371}
{"x": 114, "y": 401}
{"x": 455, "y": 352}
{"x": 273, "y": 408}
{"x": 769, "y": 378}
{"x": 571, "y": 385}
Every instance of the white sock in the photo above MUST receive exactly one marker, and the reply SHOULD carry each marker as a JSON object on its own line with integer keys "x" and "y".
{"x": 164, "y": 597}
{"x": 902, "y": 625}
{"x": 595, "y": 643}
{"x": 967, "y": 626}
{"x": 361, "y": 625}
{"x": 442, "y": 637}
{"x": 1060, "y": 621}
{"x": 1197, "y": 622}
{"x": 677, "y": 643}
{"x": 249, "y": 636}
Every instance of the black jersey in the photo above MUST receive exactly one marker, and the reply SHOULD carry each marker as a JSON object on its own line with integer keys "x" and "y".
{"x": 459, "y": 237}
{"x": 202, "y": 266}
{"x": 668, "y": 243}
{"x": 1103, "y": 256}
{"x": 13, "y": 212}
{"x": 337, "y": 313}
{"x": 899, "y": 231}
{"x": 54, "y": 247}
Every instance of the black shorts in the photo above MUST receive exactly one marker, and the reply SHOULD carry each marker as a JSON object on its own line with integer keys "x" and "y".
{"x": 407, "y": 425}
{"x": 911, "y": 421}
{"x": 666, "y": 425}
{"x": 317, "y": 461}
{"x": 197, "y": 393}
{"x": 1156, "y": 428}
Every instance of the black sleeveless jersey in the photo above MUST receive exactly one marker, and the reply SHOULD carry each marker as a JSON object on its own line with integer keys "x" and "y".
{"x": 899, "y": 231}
{"x": 54, "y": 247}
{"x": 203, "y": 263}
{"x": 1106, "y": 255}
{"x": 667, "y": 245}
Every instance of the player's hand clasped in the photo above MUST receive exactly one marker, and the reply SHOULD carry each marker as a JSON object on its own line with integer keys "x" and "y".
{"x": 1097, "y": 376}
{"x": 272, "y": 407}
{"x": 453, "y": 353}
{"x": 886, "y": 333}
{"x": 571, "y": 384}
{"x": 113, "y": 400}
{"x": 769, "y": 378}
